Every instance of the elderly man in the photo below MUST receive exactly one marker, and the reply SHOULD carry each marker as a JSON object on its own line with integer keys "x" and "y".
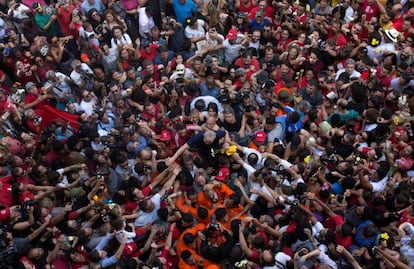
{"x": 206, "y": 142}
{"x": 58, "y": 84}
{"x": 82, "y": 75}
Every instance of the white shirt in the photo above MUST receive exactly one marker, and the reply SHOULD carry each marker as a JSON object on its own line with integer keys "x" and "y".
{"x": 125, "y": 40}
{"x": 247, "y": 151}
{"x": 211, "y": 42}
{"x": 324, "y": 259}
{"x": 231, "y": 52}
{"x": 62, "y": 88}
{"x": 207, "y": 100}
{"x": 349, "y": 14}
{"x": 195, "y": 33}
{"x": 377, "y": 52}
{"x": 354, "y": 74}
{"x": 76, "y": 77}
{"x": 379, "y": 186}
{"x": 149, "y": 217}
{"x": 87, "y": 107}
{"x": 145, "y": 22}
{"x": 20, "y": 12}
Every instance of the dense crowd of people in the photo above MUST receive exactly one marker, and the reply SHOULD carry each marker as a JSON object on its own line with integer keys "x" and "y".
{"x": 206, "y": 134}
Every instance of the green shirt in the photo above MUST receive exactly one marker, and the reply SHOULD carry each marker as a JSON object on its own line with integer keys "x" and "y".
{"x": 43, "y": 18}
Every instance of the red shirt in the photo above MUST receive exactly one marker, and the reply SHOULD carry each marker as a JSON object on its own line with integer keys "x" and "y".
{"x": 370, "y": 11}
{"x": 149, "y": 55}
{"x": 64, "y": 18}
{"x": 6, "y": 196}
{"x": 405, "y": 218}
{"x": 397, "y": 23}
{"x": 345, "y": 241}
{"x": 30, "y": 98}
{"x": 269, "y": 11}
{"x": 246, "y": 8}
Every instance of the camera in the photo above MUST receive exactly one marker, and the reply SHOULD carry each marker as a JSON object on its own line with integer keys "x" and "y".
{"x": 37, "y": 119}
{"x": 292, "y": 203}
{"x": 168, "y": 19}
{"x": 289, "y": 17}
{"x": 209, "y": 60}
{"x": 99, "y": 29}
{"x": 213, "y": 227}
{"x": 331, "y": 159}
{"x": 279, "y": 169}
{"x": 29, "y": 203}
{"x": 101, "y": 188}
{"x": 105, "y": 217}
{"x": 139, "y": 117}
{"x": 357, "y": 160}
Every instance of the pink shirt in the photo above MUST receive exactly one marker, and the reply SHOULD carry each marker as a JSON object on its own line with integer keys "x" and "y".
{"x": 130, "y": 4}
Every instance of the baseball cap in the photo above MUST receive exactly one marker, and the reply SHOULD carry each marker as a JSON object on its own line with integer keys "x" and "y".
{"x": 260, "y": 136}
{"x": 180, "y": 69}
{"x": 232, "y": 35}
{"x": 4, "y": 214}
{"x": 145, "y": 43}
{"x": 240, "y": 71}
{"x": 223, "y": 173}
{"x": 29, "y": 85}
{"x": 285, "y": 96}
{"x": 165, "y": 136}
{"x": 262, "y": 77}
{"x": 259, "y": 13}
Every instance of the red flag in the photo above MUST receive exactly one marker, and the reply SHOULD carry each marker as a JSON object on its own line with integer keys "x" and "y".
{"x": 51, "y": 114}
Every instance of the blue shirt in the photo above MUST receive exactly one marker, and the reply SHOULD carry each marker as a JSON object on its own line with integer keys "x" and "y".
{"x": 158, "y": 59}
{"x": 183, "y": 11}
{"x": 106, "y": 261}
{"x": 215, "y": 92}
{"x": 287, "y": 126}
{"x": 254, "y": 24}
{"x": 85, "y": 7}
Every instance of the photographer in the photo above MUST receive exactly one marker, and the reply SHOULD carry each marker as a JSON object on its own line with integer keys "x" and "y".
{"x": 13, "y": 246}
{"x": 216, "y": 242}
{"x": 82, "y": 75}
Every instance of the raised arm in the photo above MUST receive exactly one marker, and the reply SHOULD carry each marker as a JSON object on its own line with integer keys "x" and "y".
{"x": 348, "y": 256}
{"x": 324, "y": 206}
{"x": 177, "y": 154}
{"x": 243, "y": 243}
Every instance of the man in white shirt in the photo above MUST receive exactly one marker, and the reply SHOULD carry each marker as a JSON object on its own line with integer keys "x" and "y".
{"x": 148, "y": 208}
{"x": 350, "y": 69}
{"x": 232, "y": 46}
{"x": 59, "y": 84}
{"x": 81, "y": 75}
{"x": 195, "y": 32}
{"x": 87, "y": 103}
{"x": 375, "y": 182}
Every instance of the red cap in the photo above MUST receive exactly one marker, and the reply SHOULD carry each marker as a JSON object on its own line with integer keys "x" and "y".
{"x": 232, "y": 35}
{"x": 165, "y": 136}
{"x": 223, "y": 173}
{"x": 4, "y": 214}
{"x": 260, "y": 136}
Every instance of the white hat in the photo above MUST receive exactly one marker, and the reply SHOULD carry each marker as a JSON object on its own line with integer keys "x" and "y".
{"x": 180, "y": 69}
{"x": 392, "y": 34}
